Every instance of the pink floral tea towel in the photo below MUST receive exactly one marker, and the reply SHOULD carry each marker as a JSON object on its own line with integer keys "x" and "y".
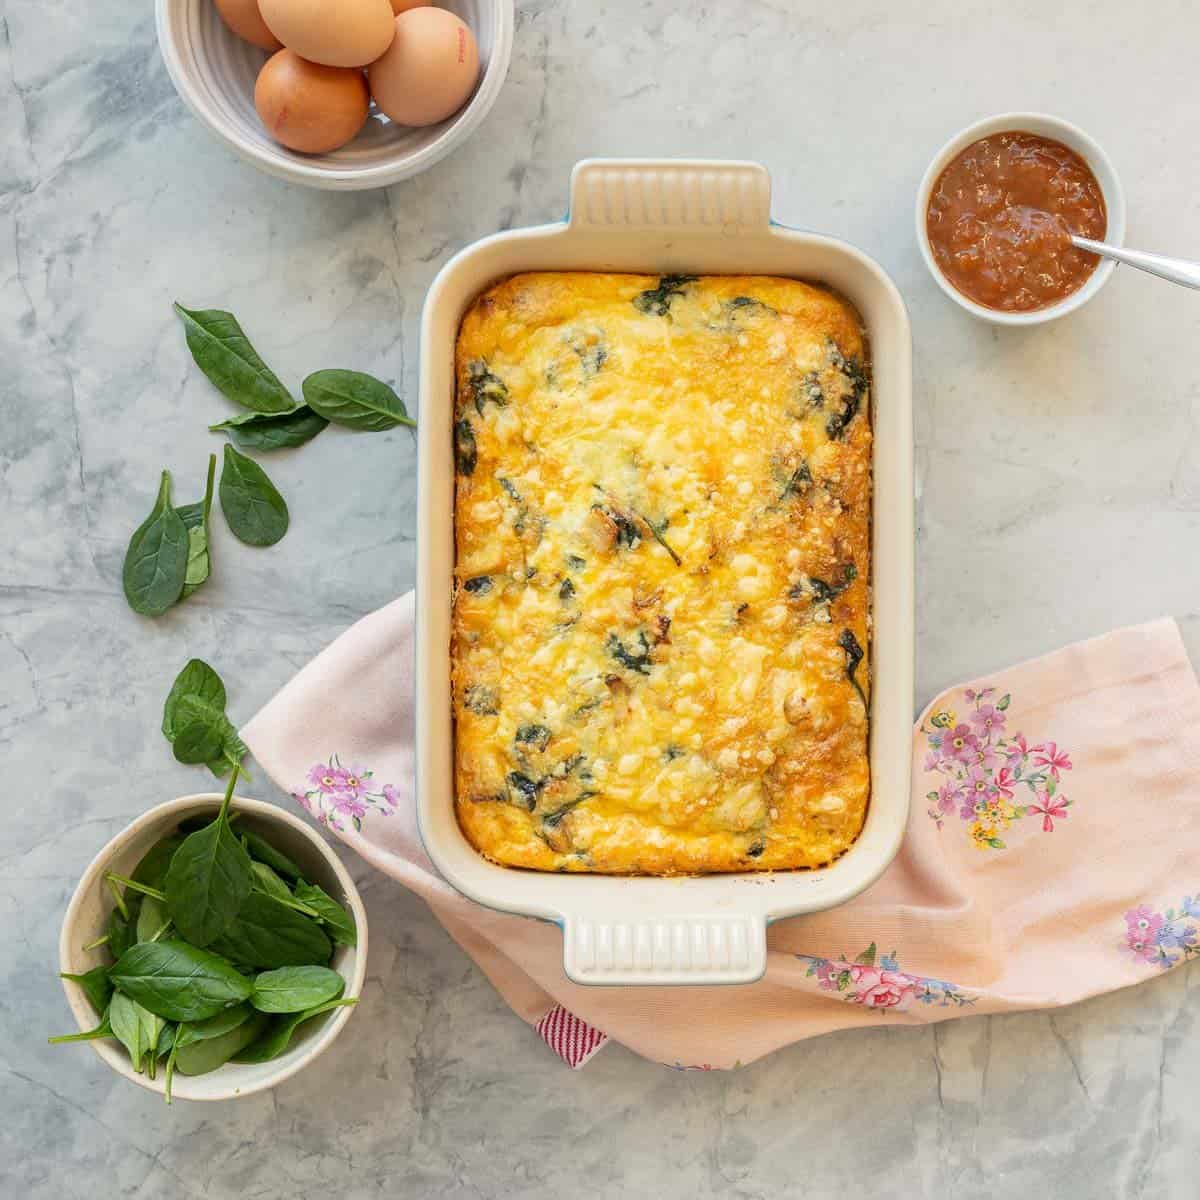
{"x": 1052, "y": 852}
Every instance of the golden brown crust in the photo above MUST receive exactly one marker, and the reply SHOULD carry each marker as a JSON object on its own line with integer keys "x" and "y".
{"x": 662, "y": 520}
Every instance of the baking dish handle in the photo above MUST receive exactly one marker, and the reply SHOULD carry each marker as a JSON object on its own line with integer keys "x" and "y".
{"x": 669, "y": 195}
{"x": 665, "y": 949}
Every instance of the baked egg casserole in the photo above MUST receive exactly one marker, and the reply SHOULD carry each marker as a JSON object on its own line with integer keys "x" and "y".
{"x": 660, "y": 655}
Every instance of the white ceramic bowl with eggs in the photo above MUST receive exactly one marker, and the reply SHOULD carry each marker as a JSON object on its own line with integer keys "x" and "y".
{"x": 214, "y": 72}
{"x": 87, "y": 915}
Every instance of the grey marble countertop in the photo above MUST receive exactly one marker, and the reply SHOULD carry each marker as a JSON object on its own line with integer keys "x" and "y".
{"x": 1060, "y": 477}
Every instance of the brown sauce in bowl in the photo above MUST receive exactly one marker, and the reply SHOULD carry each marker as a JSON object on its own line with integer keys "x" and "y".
{"x": 1000, "y": 220}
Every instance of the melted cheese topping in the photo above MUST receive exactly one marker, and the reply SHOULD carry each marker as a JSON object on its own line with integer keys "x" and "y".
{"x": 661, "y": 601}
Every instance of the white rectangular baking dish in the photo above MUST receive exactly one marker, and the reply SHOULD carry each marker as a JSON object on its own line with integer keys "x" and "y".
{"x": 696, "y": 217}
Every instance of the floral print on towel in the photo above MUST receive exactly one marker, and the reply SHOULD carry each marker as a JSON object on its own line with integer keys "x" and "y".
{"x": 342, "y": 794}
{"x": 991, "y": 779}
{"x": 876, "y": 981}
{"x": 1164, "y": 939}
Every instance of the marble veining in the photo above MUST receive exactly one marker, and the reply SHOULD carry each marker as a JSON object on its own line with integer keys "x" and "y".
{"x": 1059, "y": 497}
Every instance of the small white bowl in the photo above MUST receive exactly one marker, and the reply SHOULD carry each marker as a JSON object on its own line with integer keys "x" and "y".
{"x": 87, "y": 915}
{"x": 1075, "y": 139}
{"x": 214, "y": 73}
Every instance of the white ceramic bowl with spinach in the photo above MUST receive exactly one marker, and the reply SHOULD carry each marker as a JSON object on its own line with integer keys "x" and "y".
{"x": 88, "y": 914}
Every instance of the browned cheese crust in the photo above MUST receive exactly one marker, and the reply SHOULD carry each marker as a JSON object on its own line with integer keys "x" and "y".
{"x": 662, "y": 585}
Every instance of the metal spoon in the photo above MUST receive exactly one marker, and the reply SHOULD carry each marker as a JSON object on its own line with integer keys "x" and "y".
{"x": 1177, "y": 270}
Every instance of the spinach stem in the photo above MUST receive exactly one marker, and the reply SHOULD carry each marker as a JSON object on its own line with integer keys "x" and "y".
{"x": 98, "y": 942}
{"x": 146, "y": 890}
{"x": 170, "y": 1074}
{"x": 90, "y": 1036}
{"x": 208, "y": 487}
{"x": 223, "y": 815}
{"x": 117, "y": 896}
{"x": 299, "y": 906}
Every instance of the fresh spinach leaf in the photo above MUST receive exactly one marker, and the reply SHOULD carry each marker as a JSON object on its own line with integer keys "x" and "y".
{"x": 96, "y": 985}
{"x": 265, "y": 880}
{"x": 166, "y": 1039}
{"x": 153, "y": 920}
{"x": 215, "y": 1026}
{"x": 262, "y": 851}
{"x": 355, "y": 400}
{"x": 196, "y": 679}
{"x": 267, "y": 933}
{"x": 256, "y": 512}
{"x": 337, "y": 921}
{"x": 152, "y": 869}
{"x": 120, "y": 934}
{"x": 198, "y": 1058}
{"x": 279, "y": 1034}
{"x": 209, "y": 879}
{"x": 273, "y": 431}
{"x": 223, "y": 352}
{"x": 201, "y": 734}
{"x": 195, "y": 518}
{"x": 152, "y": 1030}
{"x": 295, "y": 989}
{"x": 197, "y": 697}
{"x": 177, "y": 981}
{"x": 126, "y": 1024}
{"x": 156, "y": 561}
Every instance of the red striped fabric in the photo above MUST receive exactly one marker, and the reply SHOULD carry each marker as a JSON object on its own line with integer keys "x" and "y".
{"x": 572, "y": 1039}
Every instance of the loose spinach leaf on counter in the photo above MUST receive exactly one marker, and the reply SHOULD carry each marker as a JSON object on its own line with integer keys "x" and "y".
{"x": 206, "y": 735}
{"x": 267, "y": 933}
{"x": 96, "y": 985}
{"x": 224, "y": 353}
{"x": 279, "y": 1034}
{"x": 194, "y": 720}
{"x": 256, "y": 512}
{"x": 273, "y": 431}
{"x": 157, "y": 559}
{"x": 195, "y": 518}
{"x": 295, "y": 989}
{"x": 179, "y": 982}
{"x": 339, "y": 924}
{"x": 196, "y": 679}
{"x": 355, "y": 400}
{"x": 209, "y": 879}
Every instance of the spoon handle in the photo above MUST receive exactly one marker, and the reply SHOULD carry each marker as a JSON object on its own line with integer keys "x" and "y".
{"x": 1177, "y": 270}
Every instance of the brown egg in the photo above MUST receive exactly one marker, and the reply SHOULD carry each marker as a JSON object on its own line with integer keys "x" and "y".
{"x": 428, "y": 71}
{"x": 337, "y": 33}
{"x": 310, "y": 107}
{"x": 399, "y": 6}
{"x": 243, "y": 17}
